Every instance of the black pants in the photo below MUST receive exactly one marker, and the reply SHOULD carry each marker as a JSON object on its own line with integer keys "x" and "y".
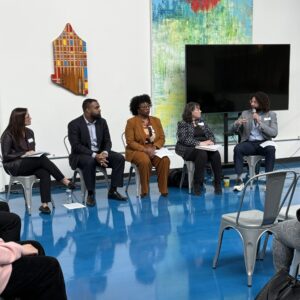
{"x": 42, "y": 167}
{"x": 10, "y": 224}
{"x": 200, "y": 158}
{"x": 88, "y": 165}
{"x": 36, "y": 277}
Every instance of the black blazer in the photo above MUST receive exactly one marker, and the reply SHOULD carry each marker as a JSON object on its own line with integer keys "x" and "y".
{"x": 185, "y": 137}
{"x": 80, "y": 140}
{"x": 12, "y": 151}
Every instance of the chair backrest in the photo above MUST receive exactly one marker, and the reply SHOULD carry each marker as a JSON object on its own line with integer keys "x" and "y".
{"x": 286, "y": 216}
{"x": 67, "y": 144}
{"x": 275, "y": 197}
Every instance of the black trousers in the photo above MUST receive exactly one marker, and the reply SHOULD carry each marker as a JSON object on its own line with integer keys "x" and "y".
{"x": 42, "y": 167}
{"x": 88, "y": 165}
{"x": 36, "y": 277}
{"x": 200, "y": 158}
{"x": 10, "y": 224}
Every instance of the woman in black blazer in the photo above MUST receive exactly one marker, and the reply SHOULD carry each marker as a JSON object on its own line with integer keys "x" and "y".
{"x": 18, "y": 141}
{"x": 192, "y": 131}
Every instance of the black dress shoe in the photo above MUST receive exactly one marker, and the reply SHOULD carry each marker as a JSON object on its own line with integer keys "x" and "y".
{"x": 116, "y": 196}
{"x": 90, "y": 200}
{"x": 71, "y": 185}
{"x": 198, "y": 189}
{"x": 45, "y": 209}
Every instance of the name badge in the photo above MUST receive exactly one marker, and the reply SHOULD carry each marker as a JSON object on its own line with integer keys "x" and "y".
{"x": 201, "y": 123}
{"x": 30, "y": 140}
{"x": 267, "y": 119}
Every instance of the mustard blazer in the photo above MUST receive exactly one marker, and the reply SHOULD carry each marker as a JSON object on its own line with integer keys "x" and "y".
{"x": 136, "y": 137}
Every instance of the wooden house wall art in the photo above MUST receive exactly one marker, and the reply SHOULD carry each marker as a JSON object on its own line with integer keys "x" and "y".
{"x": 70, "y": 62}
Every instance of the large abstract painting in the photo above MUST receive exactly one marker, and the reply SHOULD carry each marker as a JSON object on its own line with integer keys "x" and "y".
{"x": 176, "y": 23}
{"x": 70, "y": 62}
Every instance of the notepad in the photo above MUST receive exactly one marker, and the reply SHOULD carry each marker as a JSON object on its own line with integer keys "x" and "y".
{"x": 163, "y": 152}
{"x": 209, "y": 147}
{"x": 36, "y": 154}
{"x": 74, "y": 205}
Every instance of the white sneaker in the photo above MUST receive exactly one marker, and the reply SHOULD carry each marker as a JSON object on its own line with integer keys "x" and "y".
{"x": 239, "y": 186}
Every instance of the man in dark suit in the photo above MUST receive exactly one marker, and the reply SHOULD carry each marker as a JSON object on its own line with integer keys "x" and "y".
{"x": 91, "y": 146}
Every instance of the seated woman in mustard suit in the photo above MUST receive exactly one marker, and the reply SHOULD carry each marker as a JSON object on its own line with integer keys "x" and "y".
{"x": 144, "y": 134}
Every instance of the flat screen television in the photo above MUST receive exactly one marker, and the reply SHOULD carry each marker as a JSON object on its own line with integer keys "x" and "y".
{"x": 222, "y": 78}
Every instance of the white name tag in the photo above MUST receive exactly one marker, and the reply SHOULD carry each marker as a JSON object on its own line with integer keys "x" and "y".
{"x": 201, "y": 123}
{"x": 267, "y": 119}
{"x": 30, "y": 140}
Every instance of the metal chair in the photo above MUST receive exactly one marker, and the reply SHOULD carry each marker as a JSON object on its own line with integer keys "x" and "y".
{"x": 136, "y": 171}
{"x": 27, "y": 184}
{"x": 79, "y": 171}
{"x": 253, "y": 224}
{"x": 252, "y": 161}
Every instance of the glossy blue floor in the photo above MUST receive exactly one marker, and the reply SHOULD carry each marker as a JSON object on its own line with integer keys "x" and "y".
{"x": 154, "y": 248}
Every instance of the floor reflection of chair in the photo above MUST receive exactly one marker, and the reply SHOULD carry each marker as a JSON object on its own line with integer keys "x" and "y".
{"x": 78, "y": 171}
{"x": 253, "y": 224}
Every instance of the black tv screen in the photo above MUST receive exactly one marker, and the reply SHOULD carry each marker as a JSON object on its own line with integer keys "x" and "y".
{"x": 222, "y": 78}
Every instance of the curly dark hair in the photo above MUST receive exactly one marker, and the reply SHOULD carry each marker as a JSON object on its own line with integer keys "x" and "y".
{"x": 263, "y": 101}
{"x": 187, "y": 113}
{"x": 137, "y": 101}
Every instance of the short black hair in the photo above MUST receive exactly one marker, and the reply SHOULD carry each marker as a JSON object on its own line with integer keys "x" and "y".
{"x": 263, "y": 101}
{"x": 137, "y": 101}
{"x": 187, "y": 113}
{"x": 86, "y": 103}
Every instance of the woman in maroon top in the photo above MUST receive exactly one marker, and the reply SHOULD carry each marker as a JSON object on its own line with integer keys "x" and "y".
{"x": 18, "y": 141}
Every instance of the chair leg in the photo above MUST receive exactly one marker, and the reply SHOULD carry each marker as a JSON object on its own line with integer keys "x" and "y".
{"x": 137, "y": 182}
{"x": 261, "y": 254}
{"x": 129, "y": 178}
{"x": 82, "y": 187}
{"x": 190, "y": 178}
{"x": 250, "y": 248}
{"x": 52, "y": 202}
{"x": 9, "y": 189}
{"x": 182, "y": 175}
{"x": 27, "y": 186}
{"x": 106, "y": 179}
{"x": 220, "y": 238}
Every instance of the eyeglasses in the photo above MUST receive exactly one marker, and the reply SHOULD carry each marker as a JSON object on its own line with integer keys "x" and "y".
{"x": 145, "y": 107}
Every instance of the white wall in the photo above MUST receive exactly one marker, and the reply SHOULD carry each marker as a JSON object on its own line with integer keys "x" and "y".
{"x": 118, "y": 43}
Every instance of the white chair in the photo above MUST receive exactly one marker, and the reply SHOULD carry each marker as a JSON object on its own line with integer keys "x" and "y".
{"x": 27, "y": 184}
{"x": 136, "y": 171}
{"x": 79, "y": 171}
{"x": 253, "y": 224}
{"x": 252, "y": 161}
{"x": 188, "y": 166}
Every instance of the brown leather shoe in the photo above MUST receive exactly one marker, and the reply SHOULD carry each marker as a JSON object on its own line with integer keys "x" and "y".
{"x": 90, "y": 200}
{"x": 45, "y": 210}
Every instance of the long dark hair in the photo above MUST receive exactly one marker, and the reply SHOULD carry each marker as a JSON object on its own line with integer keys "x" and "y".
{"x": 16, "y": 125}
{"x": 187, "y": 113}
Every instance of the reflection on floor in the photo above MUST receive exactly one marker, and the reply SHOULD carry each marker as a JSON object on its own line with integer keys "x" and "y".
{"x": 154, "y": 248}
